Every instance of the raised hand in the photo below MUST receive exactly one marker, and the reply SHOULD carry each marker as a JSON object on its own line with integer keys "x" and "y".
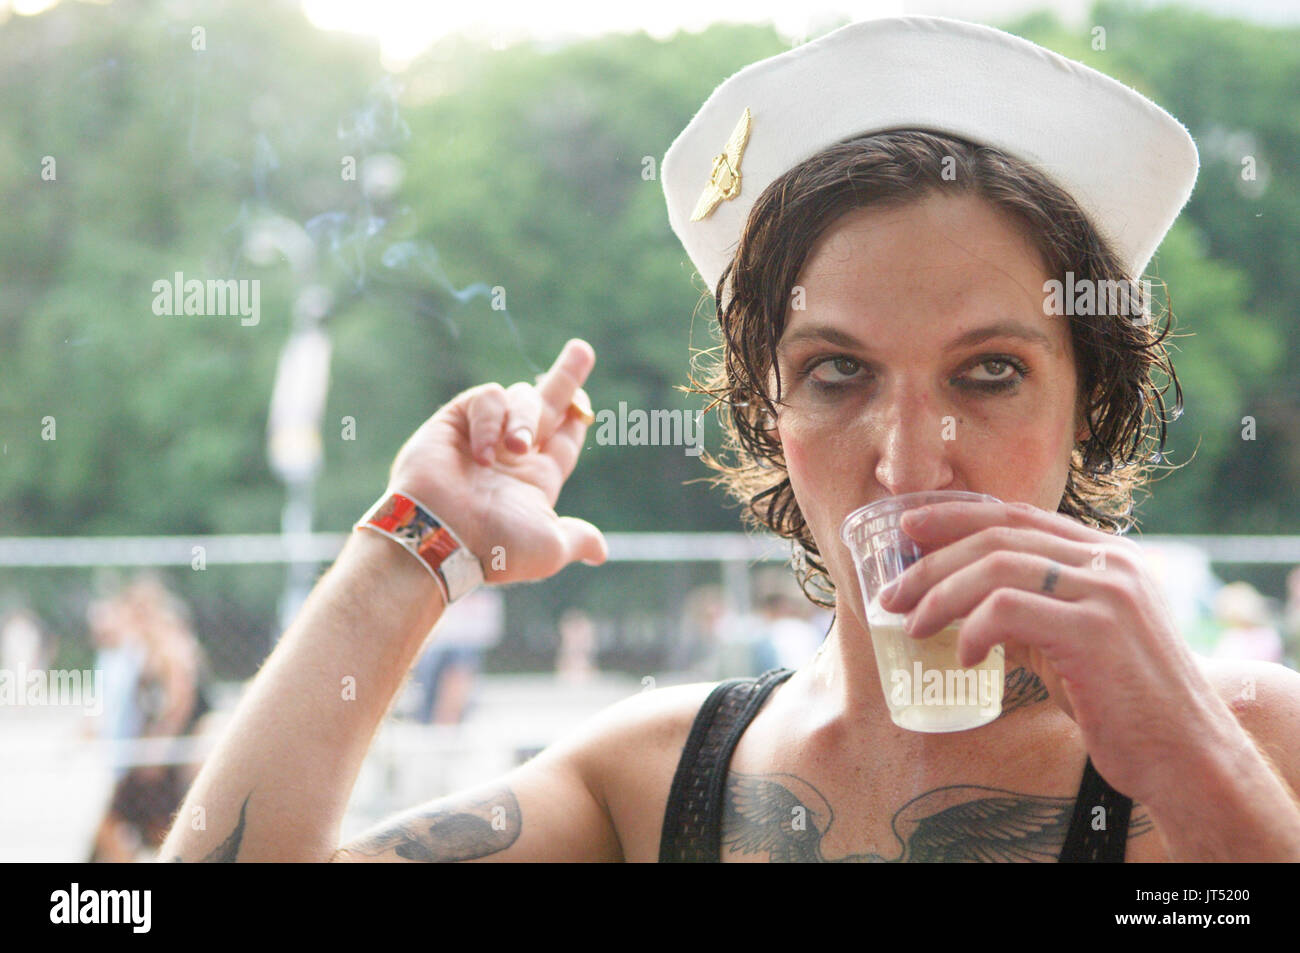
{"x": 491, "y": 462}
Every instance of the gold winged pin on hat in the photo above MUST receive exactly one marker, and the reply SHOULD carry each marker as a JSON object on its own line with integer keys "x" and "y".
{"x": 724, "y": 180}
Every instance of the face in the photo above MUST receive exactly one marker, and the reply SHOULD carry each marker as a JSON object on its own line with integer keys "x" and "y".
{"x": 921, "y": 359}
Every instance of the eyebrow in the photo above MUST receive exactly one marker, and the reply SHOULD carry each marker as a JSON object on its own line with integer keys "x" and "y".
{"x": 1003, "y": 329}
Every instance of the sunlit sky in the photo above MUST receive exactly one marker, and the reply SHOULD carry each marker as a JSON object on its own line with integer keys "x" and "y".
{"x": 404, "y": 28}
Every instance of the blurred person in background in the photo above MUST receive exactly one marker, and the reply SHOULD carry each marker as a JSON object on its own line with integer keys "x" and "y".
{"x": 699, "y": 634}
{"x": 448, "y": 670}
{"x": 743, "y": 647}
{"x": 575, "y": 662}
{"x": 23, "y": 645}
{"x": 1247, "y": 625}
{"x": 119, "y": 660}
{"x": 789, "y": 639}
{"x": 717, "y": 642}
{"x": 170, "y": 702}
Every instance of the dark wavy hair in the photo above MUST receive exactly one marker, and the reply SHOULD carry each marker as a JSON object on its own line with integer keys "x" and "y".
{"x": 1116, "y": 357}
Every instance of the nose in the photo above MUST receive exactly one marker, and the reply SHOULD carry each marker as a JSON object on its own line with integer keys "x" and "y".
{"x": 915, "y": 441}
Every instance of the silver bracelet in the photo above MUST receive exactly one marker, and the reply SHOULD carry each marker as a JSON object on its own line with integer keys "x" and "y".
{"x": 411, "y": 524}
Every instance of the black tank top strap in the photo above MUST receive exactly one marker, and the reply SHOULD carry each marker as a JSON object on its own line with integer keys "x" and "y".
{"x": 1097, "y": 838}
{"x": 692, "y": 831}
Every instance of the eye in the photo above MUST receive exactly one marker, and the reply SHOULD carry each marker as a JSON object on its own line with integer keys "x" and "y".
{"x": 995, "y": 374}
{"x": 997, "y": 370}
{"x": 834, "y": 370}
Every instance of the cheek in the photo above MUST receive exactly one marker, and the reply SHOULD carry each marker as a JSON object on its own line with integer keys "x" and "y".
{"x": 827, "y": 486}
{"x": 814, "y": 455}
{"x": 820, "y": 464}
{"x": 805, "y": 466}
{"x": 1030, "y": 463}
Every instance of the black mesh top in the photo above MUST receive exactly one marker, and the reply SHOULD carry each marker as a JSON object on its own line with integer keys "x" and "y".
{"x": 692, "y": 831}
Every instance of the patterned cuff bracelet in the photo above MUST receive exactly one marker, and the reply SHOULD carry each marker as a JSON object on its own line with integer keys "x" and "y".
{"x": 410, "y": 523}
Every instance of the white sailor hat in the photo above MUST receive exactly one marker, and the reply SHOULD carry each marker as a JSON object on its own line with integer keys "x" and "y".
{"x": 1127, "y": 162}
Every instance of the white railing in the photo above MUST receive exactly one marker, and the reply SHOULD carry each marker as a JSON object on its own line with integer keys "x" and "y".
{"x": 231, "y": 550}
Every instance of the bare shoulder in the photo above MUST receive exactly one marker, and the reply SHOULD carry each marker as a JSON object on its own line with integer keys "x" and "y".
{"x": 625, "y": 735}
{"x": 629, "y": 755}
{"x": 1265, "y": 697}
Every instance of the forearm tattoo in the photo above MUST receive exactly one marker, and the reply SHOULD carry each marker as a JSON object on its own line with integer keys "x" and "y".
{"x": 465, "y": 829}
{"x": 228, "y": 850}
{"x": 785, "y": 819}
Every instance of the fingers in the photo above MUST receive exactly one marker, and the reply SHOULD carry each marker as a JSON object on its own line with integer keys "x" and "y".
{"x": 1012, "y": 615}
{"x": 584, "y": 541}
{"x": 565, "y": 444}
{"x": 486, "y": 413}
{"x": 558, "y": 385}
{"x": 964, "y": 591}
{"x": 931, "y": 569}
{"x": 524, "y": 415}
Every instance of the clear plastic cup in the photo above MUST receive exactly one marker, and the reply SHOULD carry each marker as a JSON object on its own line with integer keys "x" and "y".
{"x": 925, "y": 687}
